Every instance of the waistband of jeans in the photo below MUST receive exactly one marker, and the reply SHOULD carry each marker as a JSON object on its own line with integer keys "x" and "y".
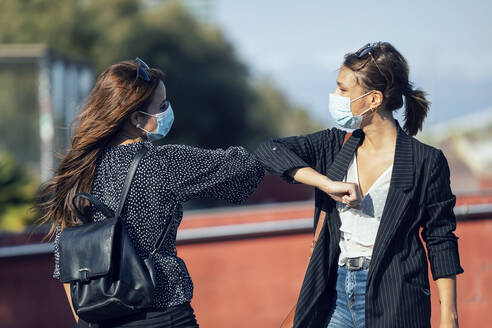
{"x": 356, "y": 263}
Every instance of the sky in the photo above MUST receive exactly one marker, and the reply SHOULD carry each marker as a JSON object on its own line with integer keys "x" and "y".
{"x": 301, "y": 44}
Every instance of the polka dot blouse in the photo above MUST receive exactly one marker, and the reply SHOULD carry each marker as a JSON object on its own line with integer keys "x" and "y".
{"x": 166, "y": 177}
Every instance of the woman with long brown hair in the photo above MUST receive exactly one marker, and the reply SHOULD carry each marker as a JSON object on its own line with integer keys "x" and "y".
{"x": 125, "y": 111}
{"x": 369, "y": 266}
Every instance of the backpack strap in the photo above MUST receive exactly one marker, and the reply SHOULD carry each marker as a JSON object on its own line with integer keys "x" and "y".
{"x": 129, "y": 177}
{"x": 95, "y": 203}
{"x": 108, "y": 212}
{"x": 347, "y": 136}
{"x": 100, "y": 206}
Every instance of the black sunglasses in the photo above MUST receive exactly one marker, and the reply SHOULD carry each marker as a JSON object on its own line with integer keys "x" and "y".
{"x": 369, "y": 49}
{"x": 141, "y": 70}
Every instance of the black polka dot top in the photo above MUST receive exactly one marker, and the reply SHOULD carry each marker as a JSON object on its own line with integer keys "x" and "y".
{"x": 166, "y": 177}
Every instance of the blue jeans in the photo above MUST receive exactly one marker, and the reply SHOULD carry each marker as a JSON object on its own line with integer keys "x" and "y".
{"x": 348, "y": 311}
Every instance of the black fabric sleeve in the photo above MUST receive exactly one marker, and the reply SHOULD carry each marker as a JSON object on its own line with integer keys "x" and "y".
{"x": 281, "y": 155}
{"x": 440, "y": 222}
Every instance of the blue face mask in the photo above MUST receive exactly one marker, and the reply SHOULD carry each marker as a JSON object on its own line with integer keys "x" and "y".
{"x": 164, "y": 122}
{"x": 342, "y": 114}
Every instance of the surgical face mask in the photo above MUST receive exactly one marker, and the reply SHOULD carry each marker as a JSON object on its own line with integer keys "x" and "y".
{"x": 342, "y": 114}
{"x": 164, "y": 122}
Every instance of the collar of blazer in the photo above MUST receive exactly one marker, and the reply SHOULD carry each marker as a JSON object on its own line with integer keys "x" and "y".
{"x": 403, "y": 168}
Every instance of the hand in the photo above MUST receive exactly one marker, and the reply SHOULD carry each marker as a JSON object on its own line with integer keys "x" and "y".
{"x": 449, "y": 318}
{"x": 347, "y": 193}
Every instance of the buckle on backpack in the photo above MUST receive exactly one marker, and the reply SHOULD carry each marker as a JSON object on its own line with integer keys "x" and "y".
{"x": 84, "y": 278}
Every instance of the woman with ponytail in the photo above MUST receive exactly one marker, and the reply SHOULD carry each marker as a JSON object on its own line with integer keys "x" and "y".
{"x": 126, "y": 110}
{"x": 369, "y": 266}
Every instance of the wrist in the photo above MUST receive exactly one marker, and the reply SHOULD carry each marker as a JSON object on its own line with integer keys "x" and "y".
{"x": 325, "y": 184}
{"x": 449, "y": 311}
{"x": 448, "y": 305}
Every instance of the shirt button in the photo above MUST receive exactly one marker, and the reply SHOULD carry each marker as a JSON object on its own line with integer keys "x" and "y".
{"x": 274, "y": 148}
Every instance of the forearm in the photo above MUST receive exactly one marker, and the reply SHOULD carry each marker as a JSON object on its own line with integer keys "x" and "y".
{"x": 447, "y": 298}
{"x": 310, "y": 177}
{"x": 67, "y": 291}
{"x": 346, "y": 193}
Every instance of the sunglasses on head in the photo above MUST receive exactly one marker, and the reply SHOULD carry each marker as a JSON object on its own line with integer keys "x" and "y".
{"x": 142, "y": 73}
{"x": 369, "y": 49}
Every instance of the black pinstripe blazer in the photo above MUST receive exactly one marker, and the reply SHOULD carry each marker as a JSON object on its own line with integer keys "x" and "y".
{"x": 419, "y": 195}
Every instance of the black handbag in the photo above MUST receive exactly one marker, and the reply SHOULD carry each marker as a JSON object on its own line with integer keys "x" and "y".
{"x": 107, "y": 278}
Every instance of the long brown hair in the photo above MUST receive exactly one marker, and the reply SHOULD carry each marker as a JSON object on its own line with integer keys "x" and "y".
{"x": 387, "y": 71}
{"x": 118, "y": 92}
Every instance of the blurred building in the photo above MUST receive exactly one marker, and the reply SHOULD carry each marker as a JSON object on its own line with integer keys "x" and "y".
{"x": 40, "y": 94}
{"x": 467, "y": 143}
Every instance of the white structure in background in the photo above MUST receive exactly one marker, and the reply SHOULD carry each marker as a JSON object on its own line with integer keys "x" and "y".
{"x": 62, "y": 84}
{"x": 203, "y": 10}
{"x": 469, "y": 138}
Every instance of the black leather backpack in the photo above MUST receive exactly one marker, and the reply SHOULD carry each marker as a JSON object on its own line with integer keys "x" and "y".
{"x": 107, "y": 278}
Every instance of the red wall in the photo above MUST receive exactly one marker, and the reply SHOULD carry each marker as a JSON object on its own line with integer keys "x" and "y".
{"x": 241, "y": 283}
{"x": 253, "y": 283}
{"x": 28, "y": 297}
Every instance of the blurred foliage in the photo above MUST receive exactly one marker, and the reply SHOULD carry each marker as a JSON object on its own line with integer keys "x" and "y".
{"x": 19, "y": 124}
{"x": 273, "y": 106}
{"x": 216, "y": 102}
{"x": 17, "y": 190}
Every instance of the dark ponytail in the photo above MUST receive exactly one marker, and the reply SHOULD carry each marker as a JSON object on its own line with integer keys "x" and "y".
{"x": 416, "y": 108}
{"x": 386, "y": 70}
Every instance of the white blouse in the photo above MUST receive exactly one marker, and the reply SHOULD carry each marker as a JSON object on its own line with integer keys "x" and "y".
{"x": 360, "y": 225}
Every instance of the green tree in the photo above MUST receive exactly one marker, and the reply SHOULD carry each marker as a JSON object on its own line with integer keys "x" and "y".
{"x": 206, "y": 83}
{"x": 17, "y": 190}
{"x": 284, "y": 118}
{"x": 216, "y": 104}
